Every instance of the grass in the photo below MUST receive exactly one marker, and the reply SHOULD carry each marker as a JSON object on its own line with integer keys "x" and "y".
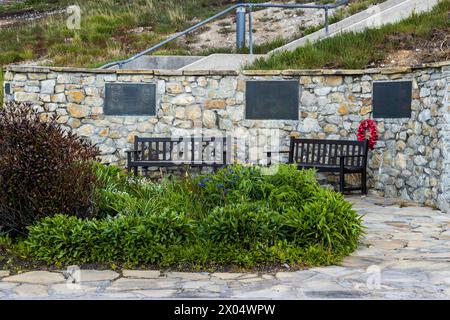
{"x": 359, "y": 50}
{"x": 106, "y": 30}
{"x": 107, "y": 34}
{"x": 1, "y": 86}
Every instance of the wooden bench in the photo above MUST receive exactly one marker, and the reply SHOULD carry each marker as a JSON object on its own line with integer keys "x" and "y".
{"x": 342, "y": 156}
{"x": 172, "y": 152}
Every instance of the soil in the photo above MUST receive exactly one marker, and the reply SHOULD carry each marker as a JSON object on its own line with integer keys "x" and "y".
{"x": 15, "y": 264}
{"x": 268, "y": 25}
{"x": 15, "y": 17}
{"x": 412, "y": 49}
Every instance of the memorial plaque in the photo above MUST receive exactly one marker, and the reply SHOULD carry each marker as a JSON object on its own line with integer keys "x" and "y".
{"x": 7, "y": 88}
{"x": 134, "y": 99}
{"x": 272, "y": 100}
{"x": 392, "y": 99}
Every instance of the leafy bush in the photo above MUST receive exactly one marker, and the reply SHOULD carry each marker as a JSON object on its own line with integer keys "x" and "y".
{"x": 44, "y": 170}
{"x": 235, "y": 216}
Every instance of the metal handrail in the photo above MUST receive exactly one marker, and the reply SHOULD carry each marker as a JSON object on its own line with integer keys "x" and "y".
{"x": 325, "y": 7}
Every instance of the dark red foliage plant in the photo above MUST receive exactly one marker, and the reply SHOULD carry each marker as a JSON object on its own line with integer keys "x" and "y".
{"x": 44, "y": 169}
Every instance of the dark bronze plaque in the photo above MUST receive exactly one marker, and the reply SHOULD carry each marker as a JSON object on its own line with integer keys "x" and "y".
{"x": 135, "y": 99}
{"x": 7, "y": 88}
{"x": 392, "y": 99}
{"x": 272, "y": 100}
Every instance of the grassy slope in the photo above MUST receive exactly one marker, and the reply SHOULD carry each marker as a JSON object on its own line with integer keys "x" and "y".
{"x": 105, "y": 30}
{"x": 359, "y": 50}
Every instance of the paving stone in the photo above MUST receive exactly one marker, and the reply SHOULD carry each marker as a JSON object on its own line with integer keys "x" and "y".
{"x": 155, "y": 293}
{"x": 36, "y": 277}
{"x": 97, "y": 275}
{"x": 72, "y": 289}
{"x": 130, "y": 284}
{"x": 404, "y": 243}
{"x": 188, "y": 275}
{"x": 227, "y": 276}
{"x": 145, "y": 274}
{"x": 31, "y": 290}
{"x": 273, "y": 292}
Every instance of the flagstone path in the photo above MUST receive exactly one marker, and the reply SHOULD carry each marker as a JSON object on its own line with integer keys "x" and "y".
{"x": 405, "y": 255}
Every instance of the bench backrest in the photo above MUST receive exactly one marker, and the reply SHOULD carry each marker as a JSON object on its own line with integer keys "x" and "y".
{"x": 194, "y": 150}
{"x": 328, "y": 152}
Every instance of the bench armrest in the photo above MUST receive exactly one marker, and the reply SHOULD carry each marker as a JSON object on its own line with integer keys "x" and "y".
{"x": 269, "y": 155}
{"x": 353, "y": 156}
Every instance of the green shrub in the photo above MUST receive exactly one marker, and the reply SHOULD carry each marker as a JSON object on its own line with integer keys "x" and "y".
{"x": 244, "y": 223}
{"x": 44, "y": 170}
{"x": 235, "y": 216}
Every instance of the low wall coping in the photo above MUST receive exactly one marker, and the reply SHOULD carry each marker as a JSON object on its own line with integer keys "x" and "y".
{"x": 293, "y": 72}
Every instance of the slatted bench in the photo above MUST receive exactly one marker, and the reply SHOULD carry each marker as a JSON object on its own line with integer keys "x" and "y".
{"x": 342, "y": 156}
{"x": 172, "y": 152}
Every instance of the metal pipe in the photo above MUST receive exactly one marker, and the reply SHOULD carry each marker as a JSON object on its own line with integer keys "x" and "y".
{"x": 220, "y": 14}
{"x": 250, "y": 29}
{"x": 240, "y": 27}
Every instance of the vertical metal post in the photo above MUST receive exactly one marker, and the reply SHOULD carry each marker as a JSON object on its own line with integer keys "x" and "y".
{"x": 326, "y": 20}
{"x": 250, "y": 29}
{"x": 240, "y": 28}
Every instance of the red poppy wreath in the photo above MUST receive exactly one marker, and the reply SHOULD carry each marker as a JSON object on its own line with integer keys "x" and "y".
{"x": 370, "y": 125}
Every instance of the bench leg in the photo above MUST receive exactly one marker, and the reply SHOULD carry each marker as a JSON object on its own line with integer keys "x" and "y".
{"x": 341, "y": 182}
{"x": 364, "y": 182}
{"x": 341, "y": 177}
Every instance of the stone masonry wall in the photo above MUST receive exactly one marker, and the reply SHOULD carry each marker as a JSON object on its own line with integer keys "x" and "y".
{"x": 411, "y": 159}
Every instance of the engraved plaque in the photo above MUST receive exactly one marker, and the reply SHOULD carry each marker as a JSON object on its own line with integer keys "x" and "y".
{"x": 7, "y": 88}
{"x": 134, "y": 99}
{"x": 392, "y": 99}
{"x": 272, "y": 100}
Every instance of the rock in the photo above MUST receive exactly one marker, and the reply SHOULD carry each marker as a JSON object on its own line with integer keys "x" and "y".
{"x": 26, "y": 97}
{"x": 310, "y": 125}
{"x": 97, "y": 275}
{"x": 343, "y": 109}
{"x": 322, "y": 91}
{"x": 215, "y": 104}
{"x": 77, "y": 111}
{"x": 333, "y": 81}
{"x": 209, "y": 119}
{"x": 307, "y": 98}
{"x": 180, "y": 113}
{"x": 75, "y": 96}
{"x": 143, "y": 274}
{"x": 128, "y": 284}
{"x": 420, "y": 160}
{"x": 193, "y": 112}
{"x": 183, "y": 100}
{"x": 36, "y": 277}
{"x": 145, "y": 127}
{"x": 156, "y": 293}
{"x": 94, "y": 101}
{"x": 86, "y": 130}
{"x": 425, "y": 115}
{"x": 174, "y": 88}
{"x": 48, "y": 86}
{"x": 4, "y": 273}
{"x": 58, "y": 98}
{"x": 31, "y": 290}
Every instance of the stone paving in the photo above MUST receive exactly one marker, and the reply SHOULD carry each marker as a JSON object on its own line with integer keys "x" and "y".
{"x": 405, "y": 255}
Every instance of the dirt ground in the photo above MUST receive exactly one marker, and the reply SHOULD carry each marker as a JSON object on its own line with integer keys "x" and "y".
{"x": 414, "y": 50}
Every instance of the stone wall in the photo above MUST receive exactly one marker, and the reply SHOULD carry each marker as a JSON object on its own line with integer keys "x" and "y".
{"x": 411, "y": 160}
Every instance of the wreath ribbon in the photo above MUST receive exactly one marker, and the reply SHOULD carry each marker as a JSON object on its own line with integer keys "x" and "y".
{"x": 370, "y": 125}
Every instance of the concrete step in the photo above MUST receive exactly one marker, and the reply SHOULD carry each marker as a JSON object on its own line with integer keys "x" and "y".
{"x": 384, "y": 13}
{"x": 222, "y": 62}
